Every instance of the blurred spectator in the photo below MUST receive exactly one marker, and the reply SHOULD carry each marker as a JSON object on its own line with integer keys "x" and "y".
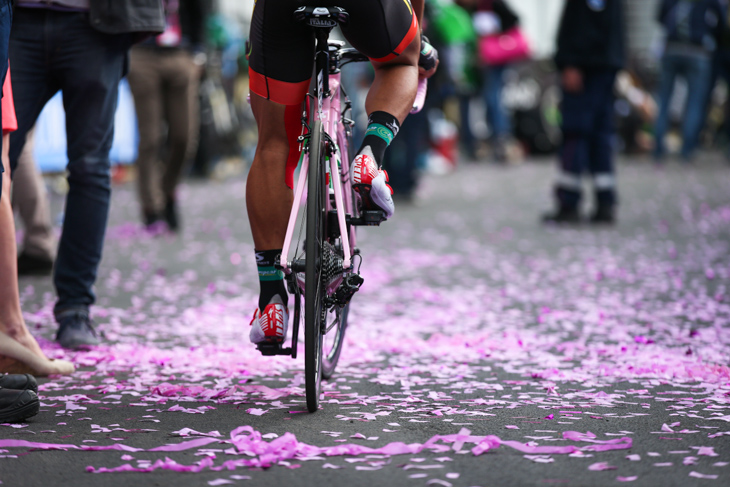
{"x": 590, "y": 53}
{"x": 30, "y": 200}
{"x": 79, "y": 47}
{"x": 449, "y": 25}
{"x": 721, "y": 68}
{"x": 164, "y": 76}
{"x": 494, "y": 17}
{"x": 693, "y": 28}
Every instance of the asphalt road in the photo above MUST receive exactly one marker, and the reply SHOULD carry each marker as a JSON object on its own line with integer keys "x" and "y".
{"x": 484, "y": 348}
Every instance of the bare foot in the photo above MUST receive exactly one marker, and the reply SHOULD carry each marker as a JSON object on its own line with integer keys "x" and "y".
{"x": 58, "y": 367}
{"x": 14, "y": 356}
{"x": 21, "y": 335}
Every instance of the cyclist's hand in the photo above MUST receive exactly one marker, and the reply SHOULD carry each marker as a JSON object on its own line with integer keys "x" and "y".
{"x": 429, "y": 59}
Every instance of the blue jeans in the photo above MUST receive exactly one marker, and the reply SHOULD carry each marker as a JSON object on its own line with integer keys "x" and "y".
{"x": 588, "y": 131}
{"x": 497, "y": 118}
{"x": 696, "y": 70}
{"x": 54, "y": 51}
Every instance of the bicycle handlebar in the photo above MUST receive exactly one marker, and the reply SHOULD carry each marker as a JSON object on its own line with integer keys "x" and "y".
{"x": 420, "y": 95}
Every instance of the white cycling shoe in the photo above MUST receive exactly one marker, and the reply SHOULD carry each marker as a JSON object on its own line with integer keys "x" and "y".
{"x": 371, "y": 183}
{"x": 270, "y": 326}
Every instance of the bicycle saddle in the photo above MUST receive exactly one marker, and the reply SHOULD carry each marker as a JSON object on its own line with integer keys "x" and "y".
{"x": 323, "y": 17}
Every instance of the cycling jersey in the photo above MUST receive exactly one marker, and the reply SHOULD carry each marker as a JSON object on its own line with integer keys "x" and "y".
{"x": 281, "y": 50}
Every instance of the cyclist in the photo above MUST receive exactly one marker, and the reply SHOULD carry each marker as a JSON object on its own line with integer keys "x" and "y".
{"x": 280, "y": 53}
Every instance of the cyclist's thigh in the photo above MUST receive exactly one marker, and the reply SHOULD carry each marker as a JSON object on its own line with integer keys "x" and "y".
{"x": 280, "y": 52}
{"x": 380, "y": 29}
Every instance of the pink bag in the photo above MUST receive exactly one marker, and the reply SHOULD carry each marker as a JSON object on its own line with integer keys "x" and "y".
{"x": 503, "y": 48}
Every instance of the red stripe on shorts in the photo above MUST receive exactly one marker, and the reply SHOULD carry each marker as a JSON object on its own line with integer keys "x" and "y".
{"x": 410, "y": 35}
{"x": 282, "y": 92}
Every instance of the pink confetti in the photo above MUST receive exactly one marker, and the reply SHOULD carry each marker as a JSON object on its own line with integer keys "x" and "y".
{"x": 220, "y": 482}
{"x": 256, "y": 411}
{"x": 698, "y": 475}
{"x": 601, "y": 466}
{"x": 708, "y": 451}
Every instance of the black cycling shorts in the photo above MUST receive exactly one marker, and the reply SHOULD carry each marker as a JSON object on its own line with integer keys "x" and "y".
{"x": 281, "y": 50}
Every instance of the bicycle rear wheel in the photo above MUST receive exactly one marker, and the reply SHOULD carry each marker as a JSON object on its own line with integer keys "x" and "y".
{"x": 336, "y": 323}
{"x": 314, "y": 292}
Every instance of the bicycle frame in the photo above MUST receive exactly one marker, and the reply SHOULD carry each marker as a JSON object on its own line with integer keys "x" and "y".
{"x": 328, "y": 110}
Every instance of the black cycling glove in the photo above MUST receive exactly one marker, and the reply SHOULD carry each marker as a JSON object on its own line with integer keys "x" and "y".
{"x": 429, "y": 55}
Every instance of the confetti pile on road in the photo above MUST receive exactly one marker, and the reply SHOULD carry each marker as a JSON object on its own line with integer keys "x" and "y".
{"x": 555, "y": 349}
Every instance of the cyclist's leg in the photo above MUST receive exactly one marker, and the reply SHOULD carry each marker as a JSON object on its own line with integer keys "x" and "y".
{"x": 387, "y": 31}
{"x": 394, "y": 87}
{"x": 268, "y": 198}
{"x": 280, "y": 54}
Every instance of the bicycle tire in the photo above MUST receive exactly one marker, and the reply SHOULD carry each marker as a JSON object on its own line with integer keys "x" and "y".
{"x": 331, "y": 357}
{"x": 314, "y": 287}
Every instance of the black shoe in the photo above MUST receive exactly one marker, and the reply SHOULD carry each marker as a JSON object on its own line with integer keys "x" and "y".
{"x": 149, "y": 218}
{"x": 76, "y": 331}
{"x": 19, "y": 382}
{"x": 563, "y": 215}
{"x": 603, "y": 216}
{"x": 171, "y": 216}
{"x": 29, "y": 265}
{"x": 18, "y": 405}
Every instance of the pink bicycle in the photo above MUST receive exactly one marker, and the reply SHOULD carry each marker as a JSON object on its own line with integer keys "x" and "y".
{"x": 322, "y": 265}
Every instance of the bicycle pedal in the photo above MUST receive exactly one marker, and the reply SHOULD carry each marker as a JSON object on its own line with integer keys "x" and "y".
{"x": 373, "y": 217}
{"x": 269, "y": 349}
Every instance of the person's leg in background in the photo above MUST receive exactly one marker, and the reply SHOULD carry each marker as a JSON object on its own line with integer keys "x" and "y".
{"x": 578, "y": 111}
{"x": 497, "y": 118}
{"x": 91, "y": 65}
{"x": 145, "y": 82}
{"x": 466, "y": 134}
{"x": 402, "y": 158}
{"x": 698, "y": 71}
{"x": 181, "y": 104}
{"x": 669, "y": 66}
{"x": 724, "y": 73}
{"x": 30, "y": 200}
{"x": 601, "y": 160}
{"x": 19, "y": 350}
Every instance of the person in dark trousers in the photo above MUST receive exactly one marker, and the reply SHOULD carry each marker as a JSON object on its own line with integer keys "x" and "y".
{"x": 79, "y": 47}
{"x": 720, "y": 70}
{"x": 493, "y": 17}
{"x": 164, "y": 76}
{"x": 693, "y": 29}
{"x": 590, "y": 53}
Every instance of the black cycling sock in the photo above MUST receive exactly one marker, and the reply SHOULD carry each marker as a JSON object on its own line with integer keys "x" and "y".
{"x": 382, "y": 129}
{"x": 271, "y": 279}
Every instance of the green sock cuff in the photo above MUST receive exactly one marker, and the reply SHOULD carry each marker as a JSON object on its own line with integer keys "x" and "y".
{"x": 380, "y": 131}
{"x": 270, "y": 273}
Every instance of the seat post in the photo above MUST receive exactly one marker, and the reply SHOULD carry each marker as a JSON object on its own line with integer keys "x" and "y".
{"x": 323, "y": 56}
